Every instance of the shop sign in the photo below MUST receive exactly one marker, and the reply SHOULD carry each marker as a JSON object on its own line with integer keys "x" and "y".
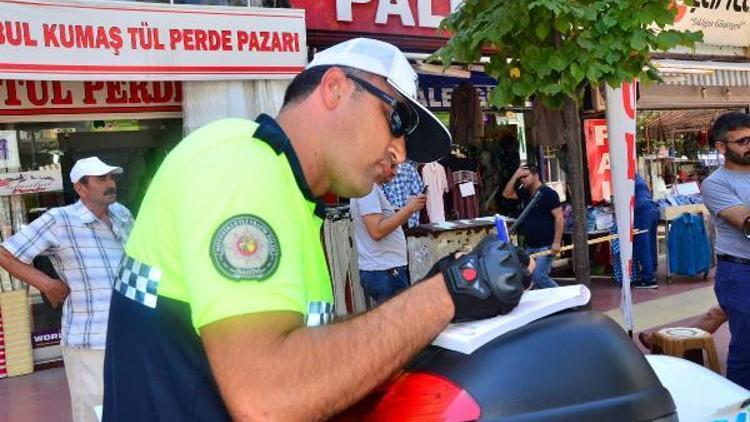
{"x": 45, "y": 338}
{"x": 30, "y": 182}
{"x": 597, "y": 150}
{"x": 98, "y": 40}
{"x": 403, "y": 17}
{"x": 723, "y": 22}
{"x": 24, "y": 99}
{"x": 435, "y": 91}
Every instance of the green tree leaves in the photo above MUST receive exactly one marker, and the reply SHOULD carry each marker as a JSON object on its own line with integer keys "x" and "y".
{"x": 552, "y": 48}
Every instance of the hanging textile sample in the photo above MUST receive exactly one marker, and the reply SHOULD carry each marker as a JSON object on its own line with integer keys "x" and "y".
{"x": 466, "y": 119}
{"x": 433, "y": 175}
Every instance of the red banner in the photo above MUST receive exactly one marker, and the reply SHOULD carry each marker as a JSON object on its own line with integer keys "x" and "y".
{"x": 409, "y": 24}
{"x": 597, "y": 150}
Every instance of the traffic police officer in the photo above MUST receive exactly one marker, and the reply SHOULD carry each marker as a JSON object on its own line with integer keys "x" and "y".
{"x": 222, "y": 302}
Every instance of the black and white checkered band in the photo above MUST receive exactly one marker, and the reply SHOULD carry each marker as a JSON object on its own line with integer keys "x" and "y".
{"x": 319, "y": 313}
{"x": 138, "y": 281}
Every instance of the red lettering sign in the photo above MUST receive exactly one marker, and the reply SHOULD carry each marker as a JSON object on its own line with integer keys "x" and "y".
{"x": 409, "y": 24}
{"x": 63, "y": 40}
{"x": 36, "y": 98}
{"x": 597, "y": 151}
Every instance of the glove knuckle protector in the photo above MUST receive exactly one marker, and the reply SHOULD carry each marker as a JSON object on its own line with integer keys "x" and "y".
{"x": 485, "y": 282}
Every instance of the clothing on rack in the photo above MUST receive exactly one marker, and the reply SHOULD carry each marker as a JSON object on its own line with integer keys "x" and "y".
{"x": 545, "y": 128}
{"x": 342, "y": 263}
{"x": 464, "y": 176}
{"x": 434, "y": 176}
{"x": 405, "y": 183}
{"x": 689, "y": 252}
{"x": 458, "y": 161}
{"x": 461, "y": 169}
{"x": 466, "y": 119}
{"x": 463, "y": 206}
{"x": 614, "y": 245}
{"x": 646, "y": 217}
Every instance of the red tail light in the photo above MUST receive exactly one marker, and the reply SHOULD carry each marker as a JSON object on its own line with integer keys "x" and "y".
{"x": 415, "y": 397}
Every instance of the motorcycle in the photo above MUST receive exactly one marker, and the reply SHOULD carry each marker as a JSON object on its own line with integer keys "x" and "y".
{"x": 571, "y": 366}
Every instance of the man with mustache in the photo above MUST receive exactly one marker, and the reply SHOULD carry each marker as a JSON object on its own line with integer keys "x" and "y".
{"x": 85, "y": 242}
{"x": 224, "y": 308}
{"x": 726, "y": 193}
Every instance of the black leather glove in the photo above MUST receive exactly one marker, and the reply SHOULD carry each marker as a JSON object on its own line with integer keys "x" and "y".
{"x": 486, "y": 282}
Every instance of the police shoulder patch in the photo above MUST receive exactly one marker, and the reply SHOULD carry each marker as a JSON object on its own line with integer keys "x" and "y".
{"x": 245, "y": 247}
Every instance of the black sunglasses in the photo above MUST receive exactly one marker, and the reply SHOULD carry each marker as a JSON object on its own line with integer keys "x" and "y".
{"x": 403, "y": 119}
{"x": 743, "y": 142}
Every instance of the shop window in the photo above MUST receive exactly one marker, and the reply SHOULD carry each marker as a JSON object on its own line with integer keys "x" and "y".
{"x": 554, "y": 175}
{"x": 553, "y": 171}
{"x": 137, "y": 145}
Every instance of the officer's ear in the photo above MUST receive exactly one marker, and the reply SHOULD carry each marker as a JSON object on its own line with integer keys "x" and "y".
{"x": 333, "y": 87}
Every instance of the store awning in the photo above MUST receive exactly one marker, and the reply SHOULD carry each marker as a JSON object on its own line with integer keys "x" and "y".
{"x": 703, "y": 73}
{"x": 677, "y": 120}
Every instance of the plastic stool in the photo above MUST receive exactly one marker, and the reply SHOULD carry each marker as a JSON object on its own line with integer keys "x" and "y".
{"x": 676, "y": 341}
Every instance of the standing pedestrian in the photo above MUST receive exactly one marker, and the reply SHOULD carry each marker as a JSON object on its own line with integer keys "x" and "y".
{"x": 85, "y": 242}
{"x": 543, "y": 227}
{"x": 726, "y": 193}
{"x": 403, "y": 186}
{"x": 381, "y": 244}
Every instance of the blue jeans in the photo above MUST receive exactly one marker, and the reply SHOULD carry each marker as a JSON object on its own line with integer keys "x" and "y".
{"x": 732, "y": 289}
{"x": 540, "y": 277}
{"x": 381, "y": 285}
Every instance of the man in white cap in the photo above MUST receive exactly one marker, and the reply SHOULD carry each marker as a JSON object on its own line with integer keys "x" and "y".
{"x": 224, "y": 309}
{"x": 85, "y": 243}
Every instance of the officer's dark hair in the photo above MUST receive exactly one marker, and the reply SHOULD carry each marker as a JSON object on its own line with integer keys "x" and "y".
{"x": 305, "y": 83}
{"x": 728, "y": 122}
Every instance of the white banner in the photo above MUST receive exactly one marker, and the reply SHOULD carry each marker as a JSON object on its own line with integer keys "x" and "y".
{"x": 723, "y": 22}
{"x": 9, "y": 150}
{"x": 68, "y": 100}
{"x": 30, "y": 182}
{"x": 100, "y": 40}
{"x": 621, "y": 134}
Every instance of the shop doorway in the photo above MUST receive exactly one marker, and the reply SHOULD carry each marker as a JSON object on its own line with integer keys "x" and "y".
{"x": 139, "y": 153}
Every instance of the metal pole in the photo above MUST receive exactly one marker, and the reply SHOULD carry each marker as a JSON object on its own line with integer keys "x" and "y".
{"x": 525, "y": 212}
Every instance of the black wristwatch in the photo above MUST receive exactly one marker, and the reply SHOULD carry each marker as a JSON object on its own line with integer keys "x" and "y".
{"x": 746, "y": 227}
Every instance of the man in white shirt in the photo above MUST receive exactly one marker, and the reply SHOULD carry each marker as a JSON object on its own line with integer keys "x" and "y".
{"x": 381, "y": 243}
